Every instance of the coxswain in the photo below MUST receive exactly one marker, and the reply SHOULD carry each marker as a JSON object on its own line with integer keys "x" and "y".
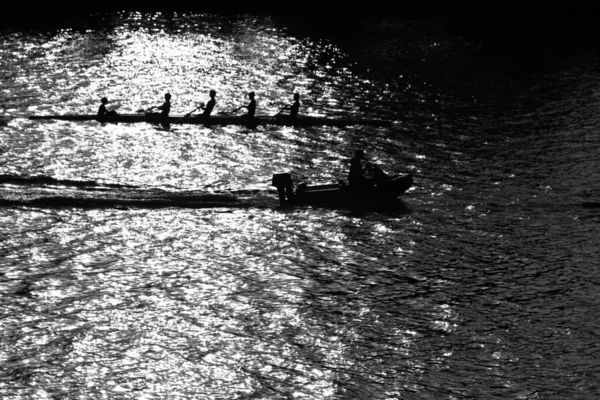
{"x": 103, "y": 112}
{"x": 210, "y": 105}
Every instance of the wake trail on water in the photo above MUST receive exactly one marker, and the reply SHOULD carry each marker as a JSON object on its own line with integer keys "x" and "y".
{"x": 44, "y": 191}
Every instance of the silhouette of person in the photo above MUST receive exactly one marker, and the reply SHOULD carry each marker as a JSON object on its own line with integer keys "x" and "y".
{"x": 251, "y": 107}
{"x": 165, "y": 109}
{"x": 295, "y": 107}
{"x": 356, "y": 174}
{"x": 103, "y": 112}
{"x": 210, "y": 105}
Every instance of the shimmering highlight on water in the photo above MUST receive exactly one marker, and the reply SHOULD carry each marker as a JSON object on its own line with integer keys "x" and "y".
{"x": 482, "y": 283}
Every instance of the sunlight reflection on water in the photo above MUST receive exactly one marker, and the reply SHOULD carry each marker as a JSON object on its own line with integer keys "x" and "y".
{"x": 135, "y": 67}
{"x": 481, "y": 285}
{"x": 207, "y": 300}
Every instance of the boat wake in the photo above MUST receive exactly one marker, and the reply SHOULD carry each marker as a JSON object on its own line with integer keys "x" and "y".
{"x": 47, "y": 192}
{"x": 44, "y": 191}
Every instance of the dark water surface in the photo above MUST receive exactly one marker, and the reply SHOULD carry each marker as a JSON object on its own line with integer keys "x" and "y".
{"x": 139, "y": 262}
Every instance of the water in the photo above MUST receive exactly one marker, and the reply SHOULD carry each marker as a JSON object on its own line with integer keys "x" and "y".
{"x": 139, "y": 262}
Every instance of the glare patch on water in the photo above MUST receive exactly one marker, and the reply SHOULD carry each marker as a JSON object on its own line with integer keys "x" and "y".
{"x": 134, "y": 65}
{"x": 196, "y": 323}
{"x": 484, "y": 285}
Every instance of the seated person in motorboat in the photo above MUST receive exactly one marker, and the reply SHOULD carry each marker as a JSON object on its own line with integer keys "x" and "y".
{"x": 356, "y": 176}
{"x": 103, "y": 112}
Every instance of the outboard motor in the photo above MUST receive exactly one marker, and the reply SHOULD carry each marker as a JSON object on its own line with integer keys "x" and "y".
{"x": 283, "y": 183}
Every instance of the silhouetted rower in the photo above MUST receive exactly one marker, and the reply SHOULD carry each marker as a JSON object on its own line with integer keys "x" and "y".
{"x": 165, "y": 109}
{"x": 251, "y": 107}
{"x": 103, "y": 112}
{"x": 210, "y": 105}
{"x": 294, "y": 108}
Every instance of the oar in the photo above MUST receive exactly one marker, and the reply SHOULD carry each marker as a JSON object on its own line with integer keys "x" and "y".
{"x": 276, "y": 115}
{"x": 141, "y": 110}
{"x": 231, "y": 112}
{"x": 188, "y": 114}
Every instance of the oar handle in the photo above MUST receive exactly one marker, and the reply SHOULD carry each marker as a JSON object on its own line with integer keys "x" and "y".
{"x": 141, "y": 110}
{"x": 276, "y": 115}
{"x": 190, "y": 113}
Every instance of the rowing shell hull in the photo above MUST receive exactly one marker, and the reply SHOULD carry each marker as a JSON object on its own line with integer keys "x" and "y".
{"x": 218, "y": 120}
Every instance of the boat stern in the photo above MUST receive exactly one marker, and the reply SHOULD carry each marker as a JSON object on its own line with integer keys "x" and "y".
{"x": 285, "y": 190}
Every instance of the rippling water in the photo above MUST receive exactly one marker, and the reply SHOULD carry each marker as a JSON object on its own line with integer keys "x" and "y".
{"x": 139, "y": 262}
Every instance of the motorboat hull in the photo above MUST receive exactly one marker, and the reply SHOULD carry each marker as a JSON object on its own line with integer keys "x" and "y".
{"x": 370, "y": 193}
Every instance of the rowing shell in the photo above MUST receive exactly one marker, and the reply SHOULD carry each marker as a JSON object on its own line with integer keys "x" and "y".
{"x": 216, "y": 120}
